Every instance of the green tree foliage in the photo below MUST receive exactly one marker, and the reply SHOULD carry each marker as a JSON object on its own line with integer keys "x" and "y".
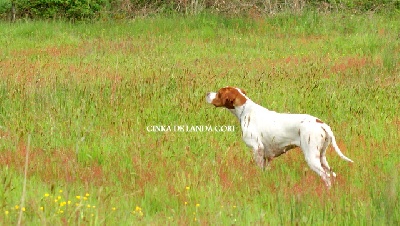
{"x": 71, "y": 9}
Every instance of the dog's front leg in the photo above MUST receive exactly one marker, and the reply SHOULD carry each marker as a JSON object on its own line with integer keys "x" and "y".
{"x": 259, "y": 157}
{"x": 257, "y": 146}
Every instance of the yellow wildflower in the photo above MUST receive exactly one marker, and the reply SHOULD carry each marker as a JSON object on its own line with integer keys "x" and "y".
{"x": 78, "y": 197}
{"x": 113, "y": 208}
{"x": 6, "y": 212}
{"x": 16, "y": 207}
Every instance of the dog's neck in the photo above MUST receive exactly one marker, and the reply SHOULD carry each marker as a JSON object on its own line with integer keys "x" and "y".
{"x": 240, "y": 111}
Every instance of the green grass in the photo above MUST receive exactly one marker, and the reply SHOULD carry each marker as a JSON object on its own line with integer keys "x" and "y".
{"x": 85, "y": 93}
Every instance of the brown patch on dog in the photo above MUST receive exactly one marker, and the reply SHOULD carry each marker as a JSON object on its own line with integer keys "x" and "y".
{"x": 319, "y": 121}
{"x": 229, "y": 97}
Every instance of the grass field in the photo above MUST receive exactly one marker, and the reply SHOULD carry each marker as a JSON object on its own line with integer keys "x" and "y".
{"x": 77, "y": 102}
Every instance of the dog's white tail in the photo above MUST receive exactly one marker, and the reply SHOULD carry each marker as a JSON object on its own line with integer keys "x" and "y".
{"x": 328, "y": 131}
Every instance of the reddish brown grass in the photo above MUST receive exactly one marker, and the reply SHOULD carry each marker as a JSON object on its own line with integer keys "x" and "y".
{"x": 350, "y": 63}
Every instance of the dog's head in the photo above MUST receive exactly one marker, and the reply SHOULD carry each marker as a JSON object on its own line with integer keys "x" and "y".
{"x": 229, "y": 97}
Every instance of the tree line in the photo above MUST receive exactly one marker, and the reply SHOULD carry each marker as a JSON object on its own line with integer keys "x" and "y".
{"x": 121, "y": 9}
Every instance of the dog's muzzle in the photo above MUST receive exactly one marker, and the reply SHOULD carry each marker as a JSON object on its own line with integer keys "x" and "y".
{"x": 210, "y": 97}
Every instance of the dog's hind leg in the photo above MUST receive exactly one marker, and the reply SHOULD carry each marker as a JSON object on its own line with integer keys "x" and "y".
{"x": 312, "y": 153}
{"x": 323, "y": 160}
{"x": 311, "y": 144}
{"x": 315, "y": 164}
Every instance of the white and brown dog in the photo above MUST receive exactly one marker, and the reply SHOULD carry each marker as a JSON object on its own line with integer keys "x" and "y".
{"x": 271, "y": 134}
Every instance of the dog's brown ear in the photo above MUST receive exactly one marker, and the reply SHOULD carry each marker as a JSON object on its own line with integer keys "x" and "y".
{"x": 227, "y": 99}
